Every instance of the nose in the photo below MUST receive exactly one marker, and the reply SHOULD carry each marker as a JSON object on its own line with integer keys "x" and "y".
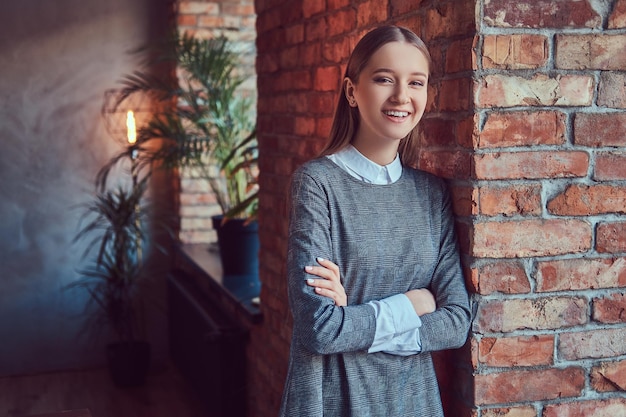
{"x": 401, "y": 94}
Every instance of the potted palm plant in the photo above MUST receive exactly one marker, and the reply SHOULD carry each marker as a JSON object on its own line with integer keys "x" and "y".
{"x": 206, "y": 125}
{"x": 203, "y": 124}
{"x": 114, "y": 225}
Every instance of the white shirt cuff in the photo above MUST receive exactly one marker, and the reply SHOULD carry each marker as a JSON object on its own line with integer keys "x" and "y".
{"x": 397, "y": 326}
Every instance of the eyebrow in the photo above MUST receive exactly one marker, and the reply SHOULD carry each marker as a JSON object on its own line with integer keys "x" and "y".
{"x": 417, "y": 73}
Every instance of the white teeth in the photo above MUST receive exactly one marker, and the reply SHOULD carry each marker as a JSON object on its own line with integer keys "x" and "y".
{"x": 397, "y": 113}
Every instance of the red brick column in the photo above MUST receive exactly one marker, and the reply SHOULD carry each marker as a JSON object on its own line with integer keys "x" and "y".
{"x": 448, "y": 28}
{"x": 303, "y": 47}
{"x": 547, "y": 238}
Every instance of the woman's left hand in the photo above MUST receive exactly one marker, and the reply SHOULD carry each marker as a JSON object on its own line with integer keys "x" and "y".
{"x": 330, "y": 284}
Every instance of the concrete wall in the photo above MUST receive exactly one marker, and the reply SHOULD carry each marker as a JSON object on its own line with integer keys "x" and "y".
{"x": 56, "y": 60}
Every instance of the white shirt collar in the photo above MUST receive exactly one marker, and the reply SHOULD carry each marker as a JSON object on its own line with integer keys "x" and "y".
{"x": 359, "y": 166}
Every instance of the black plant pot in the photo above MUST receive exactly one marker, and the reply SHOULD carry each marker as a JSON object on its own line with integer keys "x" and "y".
{"x": 239, "y": 252}
{"x": 239, "y": 246}
{"x": 129, "y": 362}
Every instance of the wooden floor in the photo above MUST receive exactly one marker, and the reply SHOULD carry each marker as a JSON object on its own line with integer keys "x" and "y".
{"x": 165, "y": 394}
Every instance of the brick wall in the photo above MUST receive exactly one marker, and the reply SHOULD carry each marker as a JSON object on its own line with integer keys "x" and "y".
{"x": 236, "y": 20}
{"x": 303, "y": 47}
{"x": 527, "y": 119}
{"x": 548, "y": 204}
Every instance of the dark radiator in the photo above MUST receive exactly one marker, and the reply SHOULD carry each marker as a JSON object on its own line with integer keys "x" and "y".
{"x": 207, "y": 346}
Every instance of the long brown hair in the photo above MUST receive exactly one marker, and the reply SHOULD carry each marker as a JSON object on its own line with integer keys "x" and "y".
{"x": 346, "y": 120}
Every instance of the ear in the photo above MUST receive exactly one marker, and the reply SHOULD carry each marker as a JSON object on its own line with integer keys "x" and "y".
{"x": 348, "y": 89}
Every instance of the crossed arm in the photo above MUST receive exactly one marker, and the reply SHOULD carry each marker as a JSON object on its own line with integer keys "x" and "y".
{"x": 329, "y": 285}
{"x": 323, "y": 328}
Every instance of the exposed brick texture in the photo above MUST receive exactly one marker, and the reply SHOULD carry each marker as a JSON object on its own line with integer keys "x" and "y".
{"x": 547, "y": 234}
{"x": 517, "y": 51}
{"x": 617, "y": 18}
{"x": 528, "y": 238}
{"x": 302, "y": 51}
{"x": 517, "y": 351}
{"x": 600, "y": 129}
{"x": 556, "y": 14}
{"x": 586, "y": 200}
{"x": 610, "y": 308}
{"x": 605, "y": 343}
{"x": 508, "y": 277}
{"x": 522, "y": 128}
{"x": 611, "y": 237}
{"x": 580, "y": 274}
{"x": 535, "y": 314}
{"x": 526, "y": 118}
{"x": 596, "y": 408}
{"x": 531, "y": 165}
{"x": 540, "y": 90}
{"x": 610, "y": 166}
{"x": 510, "y": 412}
{"x": 535, "y": 385}
{"x": 612, "y": 90}
{"x": 510, "y": 200}
{"x": 601, "y": 52}
{"x": 609, "y": 376}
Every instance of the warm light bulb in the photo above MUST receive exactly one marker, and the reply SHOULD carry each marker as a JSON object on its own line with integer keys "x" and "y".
{"x": 130, "y": 126}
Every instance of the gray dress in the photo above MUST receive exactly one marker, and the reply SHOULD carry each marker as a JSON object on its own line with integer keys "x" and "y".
{"x": 387, "y": 240}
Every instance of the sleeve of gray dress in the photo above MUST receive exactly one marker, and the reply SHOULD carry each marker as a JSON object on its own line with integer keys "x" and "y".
{"x": 319, "y": 326}
{"x": 447, "y": 327}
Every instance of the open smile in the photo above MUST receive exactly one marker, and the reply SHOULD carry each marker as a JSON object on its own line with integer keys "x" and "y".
{"x": 396, "y": 115}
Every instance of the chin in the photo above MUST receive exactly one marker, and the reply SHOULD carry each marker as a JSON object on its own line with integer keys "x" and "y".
{"x": 400, "y": 135}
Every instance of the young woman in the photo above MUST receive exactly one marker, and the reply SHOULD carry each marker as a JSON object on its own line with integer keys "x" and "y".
{"x": 375, "y": 282}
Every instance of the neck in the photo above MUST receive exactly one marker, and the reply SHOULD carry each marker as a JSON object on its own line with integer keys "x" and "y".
{"x": 380, "y": 153}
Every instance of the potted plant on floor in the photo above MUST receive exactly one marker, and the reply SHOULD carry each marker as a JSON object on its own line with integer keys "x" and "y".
{"x": 114, "y": 224}
{"x": 207, "y": 126}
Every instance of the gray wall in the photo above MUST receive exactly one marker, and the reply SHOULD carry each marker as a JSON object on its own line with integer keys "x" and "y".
{"x": 56, "y": 60}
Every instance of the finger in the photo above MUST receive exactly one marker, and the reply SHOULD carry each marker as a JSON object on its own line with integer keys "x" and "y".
{"x": 326, "y": 293}
{"x": 325, "y": 287}
{"x": 319, "y": 271}
{"x": 328, "y": 264}
{"x": 330, "y": 290}
{"x": 323, "y": 272}
{"x": 332, "y": 267}
{"x": 321, "y": 283}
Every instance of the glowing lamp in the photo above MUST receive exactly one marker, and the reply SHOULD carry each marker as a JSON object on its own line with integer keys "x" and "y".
{"x": 131, "y": 127}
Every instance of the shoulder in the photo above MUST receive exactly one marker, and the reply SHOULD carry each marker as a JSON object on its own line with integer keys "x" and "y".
{"x": 314, "y": 167}
{"x": 310, "y": 177}
{"x": 320, "y": 170}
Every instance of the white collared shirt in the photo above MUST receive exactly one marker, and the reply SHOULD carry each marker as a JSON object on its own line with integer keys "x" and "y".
{"x": 356, "y": 164}
{"x": 397, "y": 323}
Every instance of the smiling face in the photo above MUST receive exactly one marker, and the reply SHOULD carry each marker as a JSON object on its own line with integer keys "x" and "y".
{"x": 390, "y": 94}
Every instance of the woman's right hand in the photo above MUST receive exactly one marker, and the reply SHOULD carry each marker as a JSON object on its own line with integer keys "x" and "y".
{"x": 330, "y": 285}
{"x": 423, "y": 301}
